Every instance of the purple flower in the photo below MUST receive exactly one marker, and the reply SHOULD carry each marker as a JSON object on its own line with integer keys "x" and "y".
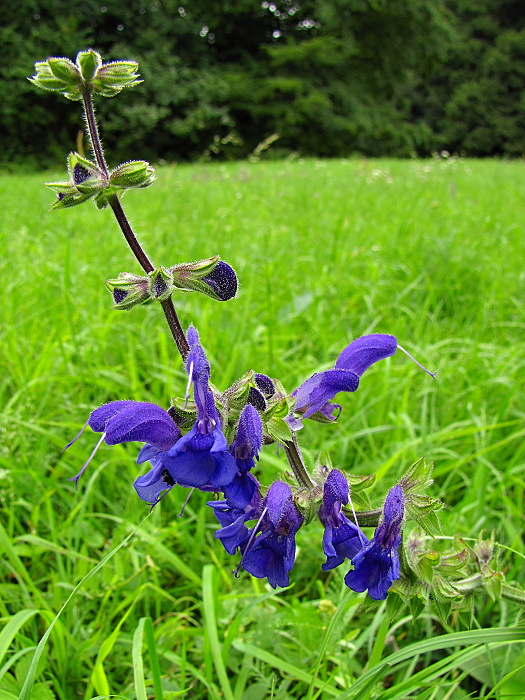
{"x": 201, "y": 457}
{"x": 271, "y": 553}
{"x": 129, "y": 421}
{"x": 342, "y": 539}
{"x": 376, "y": 566}
{"x": 233, "y": 532}
{"x": 316, "y": 392}
{"x": 245, "y": 448}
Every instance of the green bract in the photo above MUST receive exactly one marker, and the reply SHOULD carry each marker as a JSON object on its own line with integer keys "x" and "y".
{"x": 87, "y": 75}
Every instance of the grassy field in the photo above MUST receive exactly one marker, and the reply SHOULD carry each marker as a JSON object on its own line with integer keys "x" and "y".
{"x": 430, "y": 251}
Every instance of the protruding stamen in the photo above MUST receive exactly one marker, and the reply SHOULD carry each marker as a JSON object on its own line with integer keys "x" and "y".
{"x": 186, "y": 502}
{"x": 250, "y": 541}
{"x": 432, "y": 374}
{"x": 361, "y": 535}
{"x": 77, "y": 477}
{"x": 76, "y": 437}
{"x": 188, "y": 385}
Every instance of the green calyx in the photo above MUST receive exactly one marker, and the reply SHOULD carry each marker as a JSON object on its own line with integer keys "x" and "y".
{"x": 87, "y": 74}
{"x": 129, "y": 290}
{"x": 190, "y": 276}
{"x": 135, "y": 173}
{"x": 86, "y": 180}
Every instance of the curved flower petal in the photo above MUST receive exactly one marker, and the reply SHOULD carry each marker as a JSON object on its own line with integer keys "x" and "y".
{"x": 201, "y": 469}
{"x": 249, "y": 437}
{"x": 316, "y": 391}
{"x": 342, "y": 539}
{"x": 151, "y": 485}
{"x": 99, "y": 418}
{"x": 222, "y": 280}
{"x": 142, "y": 422}
{"x": 239, "y": 492}
{"x": 272, "y": 553}
{"x": 363, "y": 352}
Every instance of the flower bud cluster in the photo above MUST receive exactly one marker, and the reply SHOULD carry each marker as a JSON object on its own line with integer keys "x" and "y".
{"x": 87, "y": 180}
{"x": 87, "y": 74}
{"x": 211, "y": 276}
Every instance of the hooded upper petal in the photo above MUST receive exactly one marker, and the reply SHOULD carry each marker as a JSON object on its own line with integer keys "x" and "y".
{"x": 363, "y": 352}
{"x": 316, "y": 392}
{"x": 141, "y": 422}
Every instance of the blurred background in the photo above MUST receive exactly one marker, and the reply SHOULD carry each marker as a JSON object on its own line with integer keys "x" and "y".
{"x": 230, "y": 79}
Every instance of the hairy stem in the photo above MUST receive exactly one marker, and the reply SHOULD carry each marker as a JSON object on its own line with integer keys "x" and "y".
{"x": 125, "y": 227}
{"x": 93, "y": 132}
{"x": 295, "y": 461}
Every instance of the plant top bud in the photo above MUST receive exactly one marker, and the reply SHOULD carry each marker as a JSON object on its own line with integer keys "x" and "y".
{"x": 88, "y": 74}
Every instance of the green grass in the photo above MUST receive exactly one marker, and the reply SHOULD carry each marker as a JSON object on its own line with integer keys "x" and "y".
{"x": 431, "y": 252}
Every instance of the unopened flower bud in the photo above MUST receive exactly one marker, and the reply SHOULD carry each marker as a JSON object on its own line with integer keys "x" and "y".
{"x": 160, "y": 284}
{"x": 58, "y": 75}
{"x": 211, "y": 276}
{"x": 88, "y": 74}
{"x": 88, "y": 63}
{"x": 136, "y": 173}
{"x": 129, "y": 290}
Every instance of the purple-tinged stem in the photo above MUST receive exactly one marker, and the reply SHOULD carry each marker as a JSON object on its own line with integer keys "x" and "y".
{"x": 295, "y": 461}
{"x": 125, "y": 227}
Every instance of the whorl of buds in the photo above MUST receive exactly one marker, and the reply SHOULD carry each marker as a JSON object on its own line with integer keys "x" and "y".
{"x": 87, "y": 180}
{"x": 130, "y": 290}
{"x": 87, "y": 74}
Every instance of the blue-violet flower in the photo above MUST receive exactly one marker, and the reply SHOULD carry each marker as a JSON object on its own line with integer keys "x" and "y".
{"x": 201, "y": 457}
{"x": 245, "y": 448}
{"x": 271, "y": 553}
{"x": 129, "y": 421}
{"x": 376, "y": 566}
{"x": 342, "y": 539}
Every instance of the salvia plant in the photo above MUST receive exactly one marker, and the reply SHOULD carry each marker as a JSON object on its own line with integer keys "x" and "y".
{"x": 211, "y": 440}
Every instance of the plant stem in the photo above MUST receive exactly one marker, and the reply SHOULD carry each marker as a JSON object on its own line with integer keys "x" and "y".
{"x": 93, "y": 132}
{"x": 125, "y": 227}
{"x": 365, "y": 518}
{"x": 295, "y": 461}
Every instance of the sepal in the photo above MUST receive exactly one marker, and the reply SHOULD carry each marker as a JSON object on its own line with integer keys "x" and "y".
{"x": 129, "y": 290}
{"x": 86, "y": 180}
{"x": 419, "y": 507}
{"x": 58, "y": 75}
{"x": 113, "y": 77}
{"x": 211, "y": 276}
{"x": 160, "y": 284}
{"x": 135, "y": 173}
{"x": 85, "y": 175}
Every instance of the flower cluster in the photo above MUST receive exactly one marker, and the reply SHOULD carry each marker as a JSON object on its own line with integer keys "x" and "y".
{"x": 260, "y": 527}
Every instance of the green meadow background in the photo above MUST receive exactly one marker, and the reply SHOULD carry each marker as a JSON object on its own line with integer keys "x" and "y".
{"x": 430, "y": 251}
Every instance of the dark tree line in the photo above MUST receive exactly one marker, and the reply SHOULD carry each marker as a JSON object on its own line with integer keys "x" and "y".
{"x": 329, "y": 77}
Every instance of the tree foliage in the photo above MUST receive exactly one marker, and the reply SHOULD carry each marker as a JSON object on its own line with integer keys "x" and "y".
{"x": 328, "y": 77}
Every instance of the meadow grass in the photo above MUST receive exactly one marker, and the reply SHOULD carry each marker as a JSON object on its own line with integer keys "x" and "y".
{"x": 430, "y": 251}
